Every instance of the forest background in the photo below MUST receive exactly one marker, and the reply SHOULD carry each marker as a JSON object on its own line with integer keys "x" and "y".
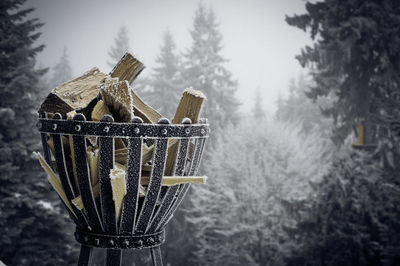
{"x": 291, "y": 184}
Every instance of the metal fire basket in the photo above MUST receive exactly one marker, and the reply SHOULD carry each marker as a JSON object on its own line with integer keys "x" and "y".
{"x": 142, "y": 221}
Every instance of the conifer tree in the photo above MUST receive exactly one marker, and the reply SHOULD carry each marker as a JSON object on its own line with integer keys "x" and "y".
{"x": 31, "y": 226}
{"x": 297, "y": 108}
{"x": 237, "y": 216}
{"x": 120, "y": 47}
{"x": 62, "y": 71}
{"x": 165, "y": 84}
{"x": 355, "y": 57}
{"x": 353, "y": 219}
{"x": 204, "y": 69}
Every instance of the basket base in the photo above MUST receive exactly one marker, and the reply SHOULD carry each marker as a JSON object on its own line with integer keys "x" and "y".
{"x": 119, "y": 241}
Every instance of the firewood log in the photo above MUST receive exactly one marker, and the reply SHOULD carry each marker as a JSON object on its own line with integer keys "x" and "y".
{"x": 73, "y": 95}
{"x": 128, "y": 68}
{"x": 190, "y": 107}
{"x": 55, "y": 182}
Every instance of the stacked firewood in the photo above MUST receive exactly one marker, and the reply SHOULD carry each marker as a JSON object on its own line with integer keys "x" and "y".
{"x": 95, "y": 94}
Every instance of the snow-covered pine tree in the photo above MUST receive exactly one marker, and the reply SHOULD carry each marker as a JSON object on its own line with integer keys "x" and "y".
{"x": 164, "y": 82}
{"x": 31, "y": 226}
{"x": 120, "y": 47}
{"x": 353, "y": 219}
{"x": 204, "y": 69}
{"x": 298, "y": 109}
{"x": 236, "y": 218}
{"x": 62, "y": 71}
{"x": 350, "y": 60}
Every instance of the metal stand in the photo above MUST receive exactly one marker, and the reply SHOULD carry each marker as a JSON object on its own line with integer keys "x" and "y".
{"x": 84, "y": 255}
{"x": 141, "y": 222}
{"x": 156, "y": 256}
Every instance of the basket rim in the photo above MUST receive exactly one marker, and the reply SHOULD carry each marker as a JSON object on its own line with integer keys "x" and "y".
{"x": 124, "y": 130}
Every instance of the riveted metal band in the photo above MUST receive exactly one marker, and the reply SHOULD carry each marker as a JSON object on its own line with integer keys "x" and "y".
{"x": 131, "y": 130}
{"x": 119, "y": 241}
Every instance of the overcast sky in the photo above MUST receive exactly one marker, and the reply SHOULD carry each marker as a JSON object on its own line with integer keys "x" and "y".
{"x": 257, "y": 41}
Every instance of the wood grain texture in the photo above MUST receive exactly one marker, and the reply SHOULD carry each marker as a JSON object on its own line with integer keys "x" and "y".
{"x": 118, "y": 98}
{"x": 128, "y": 68}
{"x": 144, "y": 111}
{"x": 55, "y": 182}
{"x": 189, "y": 106}
{"x": 75, "y": 94}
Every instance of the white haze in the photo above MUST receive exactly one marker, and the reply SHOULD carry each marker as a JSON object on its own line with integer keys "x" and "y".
{"x": 259, "y": 44}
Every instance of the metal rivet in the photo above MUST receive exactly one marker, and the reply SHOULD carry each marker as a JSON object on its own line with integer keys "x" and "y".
{"x": 136, "y": 130}
{"x": 106, "y": 129}
{"x": 54, "y": 126}
{"x": 111, "y": 242}
{"x": 85, "y": 239}
{"x": 151, "y": 240}
{"x": 126, "y": 243}
{"x": 187, "y": 131}
{"x": 97, "y": 241}
{"x": 78, "y": 127}
{"x": 164, "y": 131}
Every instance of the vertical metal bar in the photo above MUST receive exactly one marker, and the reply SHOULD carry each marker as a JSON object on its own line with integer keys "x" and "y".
{"x": 185, "y": 187}
{"x": 168, "y": 199}
{"x": 85, "y": 255}
{"x": 106, "y": 163}
{"x": 134, "y": 169}
{"x": 85, "y": 187}
{"x": 156, "y": 256}
{"x": 63, "y": 174}
{"x": 46, "y": 150}
{"x": 154, "y": 187}
{"x": 60, "y": 162}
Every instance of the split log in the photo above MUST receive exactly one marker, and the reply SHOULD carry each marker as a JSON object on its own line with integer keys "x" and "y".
{"x": 55, "y": 183}
{"x": 73, "y": 95}
{"x": 175, "y": 180}
{"x": 118, "y": 98}
{"x": 189, "y": 106}
{"x": 117, "y": 179}
{"x": 98, "y": 111}
{"x": 128, "y": 68}
{"x": 144, "y": 111}
{"x": 93, "y": 162}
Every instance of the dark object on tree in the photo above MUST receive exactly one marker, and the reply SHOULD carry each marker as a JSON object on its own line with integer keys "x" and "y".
{"x": 366, "y": 137}
{"x": 140, "y": 224}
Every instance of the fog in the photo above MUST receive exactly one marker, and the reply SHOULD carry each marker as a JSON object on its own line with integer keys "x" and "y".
{"x": 300, "y": 167}
{"x": 258, "y": 42}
